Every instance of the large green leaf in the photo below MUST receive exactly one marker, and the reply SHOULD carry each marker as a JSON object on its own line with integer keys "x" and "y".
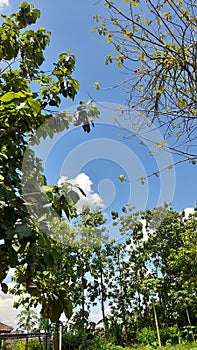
{"x": 68, "y": 308}
{"x": 56, "y": 310}
{"x": 9, "y": 96}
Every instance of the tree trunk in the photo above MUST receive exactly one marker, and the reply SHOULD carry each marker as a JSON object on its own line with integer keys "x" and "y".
{"x": 26, "y": 344}
{"x": 189, "y": 321}
{"x": 122, "y": 302}
{"x": 56, "y": 337}
{"x": 103, "y": 306}
{"x": 83, "y": 299}
{"x": 40, "y": 341}
{"x": 147, "y": 312}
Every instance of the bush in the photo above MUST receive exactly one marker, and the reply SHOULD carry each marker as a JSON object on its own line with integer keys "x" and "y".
{"x": 18, "y": 345}
{"x": 71, "y": 341}
{"x": 3, "y": 344}
{"x": 147, "y": 337}
{"x": 33, "y": 344}
{"x": 169, "y": 335}
{"x": 79, "y": 341}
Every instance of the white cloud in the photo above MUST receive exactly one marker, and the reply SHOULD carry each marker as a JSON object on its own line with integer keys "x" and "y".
{"x": 8, "y": 314}
{"x": 4, "y": 4}
{"x": 83, "y": 181}
{"x": 188, "y": 211}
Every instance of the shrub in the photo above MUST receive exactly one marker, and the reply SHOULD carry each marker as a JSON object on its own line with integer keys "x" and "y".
{"x": 33, "y": 344}
{"x": 169, "y": 335}
{"x": 3, "y": 344}
{"x": 147, "y": 336}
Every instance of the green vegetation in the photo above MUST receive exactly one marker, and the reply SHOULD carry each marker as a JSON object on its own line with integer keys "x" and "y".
{"x": 33, "y": 344}
{"x": 75, "y": 343}
{"x": 144, "y": 285}
{"x": 23, "y": 110}
{"x": 29, "y": 97}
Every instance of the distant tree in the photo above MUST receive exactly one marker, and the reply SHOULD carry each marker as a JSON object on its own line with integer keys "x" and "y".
{"x": 27, "y": 321}
{"x": 155, "y": 272}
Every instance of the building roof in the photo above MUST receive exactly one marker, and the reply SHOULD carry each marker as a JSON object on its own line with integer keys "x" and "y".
{"x": 4, "y": 328}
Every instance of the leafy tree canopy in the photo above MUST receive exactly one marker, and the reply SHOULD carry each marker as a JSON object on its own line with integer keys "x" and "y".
{"x": 28, "y": 97}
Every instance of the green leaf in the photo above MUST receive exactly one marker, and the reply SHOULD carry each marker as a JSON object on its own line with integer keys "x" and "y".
{"x": 80, "y": 189}
{"x": 68, "y": 309}
{"x": 74, "y": 196}
{"x": 9, "y": 96}
{"x": 4, "y": 288}
{"x": 48, "y": 259}
{"x": 135, "y": 3}
{"x": 33, "y": 290}
{"x": 121, "y": 178}
{"x": 97, "y": 86}
{"x": 56, "y": 309}
{"x": 23, "y": 229}
{"x": 114, "y": 214}
{"x": 34, "y": 104}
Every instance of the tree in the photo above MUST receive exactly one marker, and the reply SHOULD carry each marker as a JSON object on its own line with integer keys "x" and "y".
{"x": 28, "y": 98}
{"x": 156, "y": 273}
{"x": 90, "y": 235}
{"x": 27, "y": 320}
{"x": 49, "y": 280}
{"x": 57, "y": 278}
{"x": 155, "y": 44}
{"x": 102, "y": 277}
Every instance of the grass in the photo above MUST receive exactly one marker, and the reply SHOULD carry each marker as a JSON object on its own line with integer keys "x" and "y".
{"x": 188, "y": 346}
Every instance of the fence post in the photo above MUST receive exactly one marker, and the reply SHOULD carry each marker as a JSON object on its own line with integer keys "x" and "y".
{"x": 48, "y": 341}
{"x": 60, "y": 336}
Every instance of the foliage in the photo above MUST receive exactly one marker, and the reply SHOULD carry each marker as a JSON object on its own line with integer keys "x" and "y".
{"x": 140, "y": 278}
{"x": 77, "y": 341}
{"x": 3, "y": 344}
{"x": 169, "y": 336}
{"x": 148, "y": 280}
{"x": 23, "y": 110}
{"x": 33, "y": 344}
{"x": 188, "y": 346}
{"x": 154, "y": 43}
{"x": 28, "y": 98}
{"x": 81, "y": 341}
{"x": 27, "y": 320}
{"x": 57, "y": 277}
{"x": 54, "y": 265}
{"x": 147, "y": 337}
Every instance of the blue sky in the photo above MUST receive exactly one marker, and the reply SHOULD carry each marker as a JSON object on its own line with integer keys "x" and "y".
{"x": 103, "y": 154}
